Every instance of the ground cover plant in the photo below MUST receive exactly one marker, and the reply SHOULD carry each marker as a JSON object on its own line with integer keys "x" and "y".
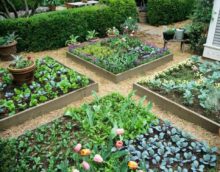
{"x": 195, "y": 84}
{"x": 119, "y": 54}
{"x": 51, "y": 79}
{"x": 98, "y": 137}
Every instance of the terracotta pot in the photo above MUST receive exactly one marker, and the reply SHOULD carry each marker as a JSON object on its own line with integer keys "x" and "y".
{"x": 7, "y": 50}
{"x": 21, "y": 76}
{"x": 52, "y": 7}
{"x": 72, "y": 46}
{"x": 142, "y": 17}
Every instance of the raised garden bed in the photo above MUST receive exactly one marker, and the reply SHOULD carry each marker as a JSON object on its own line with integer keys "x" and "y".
{"x": 74, "y": 140}
{"x": 120, "y": 57}
{"x": 189, "y": 90}
{"x": 54, "y": 86}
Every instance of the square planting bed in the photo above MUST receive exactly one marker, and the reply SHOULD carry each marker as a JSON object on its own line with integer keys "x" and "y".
{"x": 190, "y": 90}
{"x": 54, "y": 86}
{"x": 120, "y": 57}
{"x": 123, "y": 133}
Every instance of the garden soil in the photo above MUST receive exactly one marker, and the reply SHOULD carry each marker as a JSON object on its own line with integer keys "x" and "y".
{"x": 146, "y": 33}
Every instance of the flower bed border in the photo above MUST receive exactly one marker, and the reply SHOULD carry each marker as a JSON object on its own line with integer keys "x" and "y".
{"x": 49, "y": 105}
{"x": 177, "y": 109}
{"x": 116, "y": 78}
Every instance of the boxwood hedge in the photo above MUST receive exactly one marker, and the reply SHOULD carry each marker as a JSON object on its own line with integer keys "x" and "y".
{"x": 51, "y": 30}
{"x": 161, "y": 12}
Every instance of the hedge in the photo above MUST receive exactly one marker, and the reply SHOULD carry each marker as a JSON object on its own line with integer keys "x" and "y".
{"x": 161, "y": 12}
{"x": 51, "y": 30}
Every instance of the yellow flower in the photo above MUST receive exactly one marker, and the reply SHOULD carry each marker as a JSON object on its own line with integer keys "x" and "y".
{"x": 132, "y": 165}
{"x": 85, "y": 152}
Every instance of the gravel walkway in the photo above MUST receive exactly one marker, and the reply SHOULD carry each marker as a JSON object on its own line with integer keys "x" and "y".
{"x": 147, "y": 33}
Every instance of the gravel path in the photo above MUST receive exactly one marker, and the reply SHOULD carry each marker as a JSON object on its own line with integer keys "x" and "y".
{"x": 147, "y": 33}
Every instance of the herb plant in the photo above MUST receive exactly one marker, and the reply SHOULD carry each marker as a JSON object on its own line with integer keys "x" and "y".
{"x": 91, "y": 35}
{"x": 20, "y": 62}
{"x": 5, "y": 40}
{"x": 72, "y": 40}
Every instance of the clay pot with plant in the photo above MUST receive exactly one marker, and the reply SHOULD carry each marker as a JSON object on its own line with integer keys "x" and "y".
{"x": 92, "y": 36}
{"x": 52, "y": 4}
{"x": 22, "y": 69}
{"x": 72, "y": 42}
{"x": 8, "y": 46}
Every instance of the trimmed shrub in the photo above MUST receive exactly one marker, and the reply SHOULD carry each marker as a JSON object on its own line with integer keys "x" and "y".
{"x": 51, "y": 30}
{"x": 161, "y": 12}
{"x": 201, "y": 18}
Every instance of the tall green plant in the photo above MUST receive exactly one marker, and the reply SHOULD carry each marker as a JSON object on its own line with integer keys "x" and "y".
{"x": 201, "y": 17}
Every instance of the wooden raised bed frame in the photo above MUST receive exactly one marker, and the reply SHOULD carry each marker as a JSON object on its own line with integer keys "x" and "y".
{"x": 124, "y": 75}
{"x": 178, "y": 109}
{"x": 48, "y": 106}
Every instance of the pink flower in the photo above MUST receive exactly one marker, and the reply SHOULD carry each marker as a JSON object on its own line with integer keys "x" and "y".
{"x": 97, "y": 158}
{"x": 78, "y": 147}
{"x": 85, "y": 165}
{"x": 120, "y": 131}
{"x": 119, "y": 144}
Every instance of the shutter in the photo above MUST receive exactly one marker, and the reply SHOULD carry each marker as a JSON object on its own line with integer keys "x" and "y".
{"x": 216, "y": 40}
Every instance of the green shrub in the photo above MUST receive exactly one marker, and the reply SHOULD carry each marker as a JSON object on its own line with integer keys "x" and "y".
{"x": 51, "y": 30}
{"x": 168, "y": 11}
{"x": 201, "y": 17}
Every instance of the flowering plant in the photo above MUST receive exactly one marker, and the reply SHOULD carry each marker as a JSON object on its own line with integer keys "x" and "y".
{"x": 113, "y": 31}
{"x": 130, "y": 25}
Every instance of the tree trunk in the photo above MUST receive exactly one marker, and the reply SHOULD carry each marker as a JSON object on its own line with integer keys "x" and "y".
{"x": 33, "y": 10}
{"x": 3, "y": 14}
{"x": 7, "y": 13}
{"x": 12, "y": 7}
{"x": 26, "y": 8}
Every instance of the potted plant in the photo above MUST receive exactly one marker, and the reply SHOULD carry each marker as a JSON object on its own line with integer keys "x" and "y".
{"x": 72, "y": 42}
{"x": 142, "y": 12}
{"x": 91, "y": 36}
{"x": 130, "y": 26}
{"x": 22, "y": 69}
{"x": 187, "y": 31}
{"x": 8, "y": 46}
{"x": 52, "y": 4}
{"x": 112, "y": 32}
{"x": 169, "y": 34}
